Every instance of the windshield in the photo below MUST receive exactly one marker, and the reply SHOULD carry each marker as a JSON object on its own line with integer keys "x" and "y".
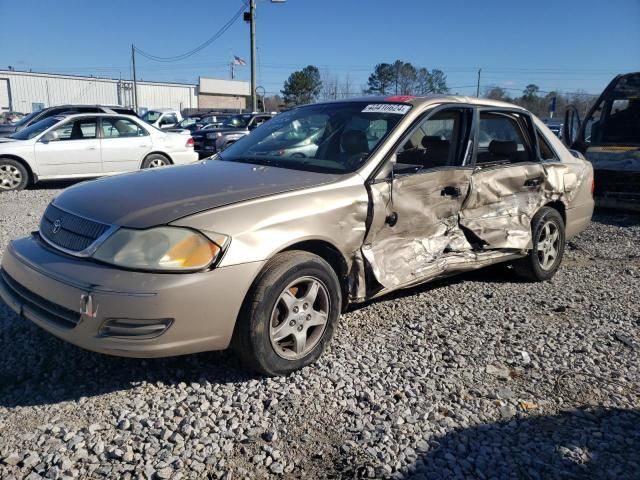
{"x": 237, "y": 121}
{"x": 151, "y": 116}
{"x": 26, "y": 119}
{"x": 35, "y": 129}
{"x": 330, "y": 138}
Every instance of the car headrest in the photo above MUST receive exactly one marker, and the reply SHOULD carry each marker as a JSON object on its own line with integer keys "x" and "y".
{"x": 503, "y": 148}
{"x": 434, "y": 141}
{"x": 354, "y": 141}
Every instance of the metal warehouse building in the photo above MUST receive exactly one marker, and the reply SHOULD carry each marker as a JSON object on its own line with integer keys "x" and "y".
{"x": 28, "y": 91}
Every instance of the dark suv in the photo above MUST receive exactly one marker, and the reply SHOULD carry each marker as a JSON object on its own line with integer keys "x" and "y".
{"x": 9, "y": 129}
{"x": 211, "y": 140}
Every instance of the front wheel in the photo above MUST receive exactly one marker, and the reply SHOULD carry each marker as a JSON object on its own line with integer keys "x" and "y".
{"x": 289, "y": 315}
{"x": 13, "y": 175}
{"x": 548, "y": 238}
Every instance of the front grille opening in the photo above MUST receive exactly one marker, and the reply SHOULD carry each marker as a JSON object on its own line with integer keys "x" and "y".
{"x": 138, "y": 329}
{"x": 35, "y": 305}
{"x": 69, "y": 231}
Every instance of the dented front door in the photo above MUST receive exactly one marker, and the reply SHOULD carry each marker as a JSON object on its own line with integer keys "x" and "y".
{"x": 414, "y": 221}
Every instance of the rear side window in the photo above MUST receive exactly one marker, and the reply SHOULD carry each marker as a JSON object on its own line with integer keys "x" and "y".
{"x": 502, "y": 139}
{"x": 546, "y": 152}
{"x": 121, "y": 127}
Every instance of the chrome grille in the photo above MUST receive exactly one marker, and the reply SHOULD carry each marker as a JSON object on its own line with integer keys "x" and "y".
{"x": 69, "y": 231}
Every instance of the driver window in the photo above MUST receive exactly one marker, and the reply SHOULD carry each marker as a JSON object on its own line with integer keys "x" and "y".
{"x": 81, "y": 129}
{"x": 439, "y": 141}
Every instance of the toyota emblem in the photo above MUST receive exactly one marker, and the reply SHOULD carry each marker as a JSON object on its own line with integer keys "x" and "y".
{"x": 57, "y": 225}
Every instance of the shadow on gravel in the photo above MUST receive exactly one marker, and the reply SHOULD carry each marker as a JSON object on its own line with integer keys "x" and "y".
{"x": 39, "y": 369}
{"x": 57, "y": 184}
{"x": 616, "y": 218}
{"x": 499, "y": 273}
{"x": 580, "y": 444}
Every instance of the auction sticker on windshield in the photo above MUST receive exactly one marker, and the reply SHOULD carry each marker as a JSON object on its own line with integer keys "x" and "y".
{"x": 387, "y": 108}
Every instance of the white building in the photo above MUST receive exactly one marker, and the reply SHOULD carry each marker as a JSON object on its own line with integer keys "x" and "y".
{"x": 28, "y": 91}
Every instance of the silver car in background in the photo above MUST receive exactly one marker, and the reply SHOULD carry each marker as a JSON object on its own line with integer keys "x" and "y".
{"x": 85, "y": 146}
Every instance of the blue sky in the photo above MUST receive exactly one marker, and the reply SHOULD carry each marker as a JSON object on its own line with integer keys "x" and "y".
{"x": 567, "y": 45}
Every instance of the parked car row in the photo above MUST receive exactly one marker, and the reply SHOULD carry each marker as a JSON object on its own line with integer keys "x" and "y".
{"x": 213, "y": 139}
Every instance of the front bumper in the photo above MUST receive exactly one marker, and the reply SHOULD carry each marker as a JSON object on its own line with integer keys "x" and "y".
{"x": 74, "y": 299}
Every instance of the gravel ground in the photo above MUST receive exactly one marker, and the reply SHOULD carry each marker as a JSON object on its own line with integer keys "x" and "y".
{"x": 479, "y": 376}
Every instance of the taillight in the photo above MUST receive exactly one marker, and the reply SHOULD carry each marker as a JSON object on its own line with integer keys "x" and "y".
{"x": 189, "y": 142}
{"x": 593, "y": 186}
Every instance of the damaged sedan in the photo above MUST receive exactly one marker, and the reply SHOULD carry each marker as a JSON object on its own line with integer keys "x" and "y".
{"x": 261, "y": 250}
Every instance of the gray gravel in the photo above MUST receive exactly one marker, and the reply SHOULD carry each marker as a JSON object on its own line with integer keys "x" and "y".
{"x": 479, "y": 376}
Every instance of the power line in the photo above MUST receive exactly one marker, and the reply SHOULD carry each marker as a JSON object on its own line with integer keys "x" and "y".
{"x": 200, "y": 47}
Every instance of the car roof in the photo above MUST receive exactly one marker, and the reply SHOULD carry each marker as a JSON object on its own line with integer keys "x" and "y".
{"x": 428, "y": 100}
{"x": 163, "y": 110}
{"x": 98, "y": 114}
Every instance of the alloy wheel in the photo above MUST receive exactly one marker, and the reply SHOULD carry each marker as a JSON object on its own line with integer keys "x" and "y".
{"x": 157, "y": 162}
{"x": 299, "y": 318}
{"x": 548, "y": 245}
{"x": 10, "y": 177}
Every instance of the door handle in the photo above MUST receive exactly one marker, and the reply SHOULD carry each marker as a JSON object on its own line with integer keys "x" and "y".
{"x": 450, "y": 191}
{"x": 533, "y": 182}
{"x": 91, "y": 148}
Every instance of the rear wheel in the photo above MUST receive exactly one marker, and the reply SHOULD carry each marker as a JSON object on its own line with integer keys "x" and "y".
{"x": 13, "y": 175}
{"x": 289, "y": 315}
{"x": 548, "y": 240}
{"x": 155, "y": 160}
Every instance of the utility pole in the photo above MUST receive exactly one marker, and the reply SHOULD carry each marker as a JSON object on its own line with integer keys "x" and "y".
{"x": 252, "y": 13}
{"x": 478, "y": 87}
{"x": 135, "y": 83}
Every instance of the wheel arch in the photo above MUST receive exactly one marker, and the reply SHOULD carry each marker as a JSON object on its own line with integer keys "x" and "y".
{"x": 560, "y": 207}
{"x": 332, "y": 255}
{"x": 33, "y": 176}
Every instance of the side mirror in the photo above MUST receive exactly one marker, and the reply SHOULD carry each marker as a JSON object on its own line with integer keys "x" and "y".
{"x": 49, "y": 137}
{"x": 571, "y": 126}
{"x": 387, "y": 170}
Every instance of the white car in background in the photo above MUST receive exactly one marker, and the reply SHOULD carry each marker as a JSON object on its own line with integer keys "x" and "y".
{"x": 162, "y": 118}
{"x": 87, "y": 145}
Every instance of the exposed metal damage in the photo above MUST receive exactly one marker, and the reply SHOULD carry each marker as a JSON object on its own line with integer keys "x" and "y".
{"x": 495, "y": 207}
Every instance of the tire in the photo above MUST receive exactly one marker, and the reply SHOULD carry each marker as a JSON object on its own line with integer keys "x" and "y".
{"x": 155, "y": 160}
{"x": 277, "y": 331}
{"x": 13, "y": 175}
{"x": 548, "y": 238}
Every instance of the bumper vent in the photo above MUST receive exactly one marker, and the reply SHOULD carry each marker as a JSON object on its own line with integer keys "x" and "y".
{"x": 33, "y": 305}
{"x": 68, "y": 231}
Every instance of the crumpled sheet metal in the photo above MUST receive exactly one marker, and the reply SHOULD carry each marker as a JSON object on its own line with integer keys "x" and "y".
{"x": 427, "y": 226}
{"x": 500, "y": 206}
{"x": 427, "y": 241}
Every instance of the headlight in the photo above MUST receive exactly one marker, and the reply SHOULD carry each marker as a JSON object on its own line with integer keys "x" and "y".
{"x": 161, "y": 248}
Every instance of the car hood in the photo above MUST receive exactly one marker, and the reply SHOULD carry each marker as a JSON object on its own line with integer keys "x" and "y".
{"x": 7, "y": 129}
{"x": 161, "y": 195}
